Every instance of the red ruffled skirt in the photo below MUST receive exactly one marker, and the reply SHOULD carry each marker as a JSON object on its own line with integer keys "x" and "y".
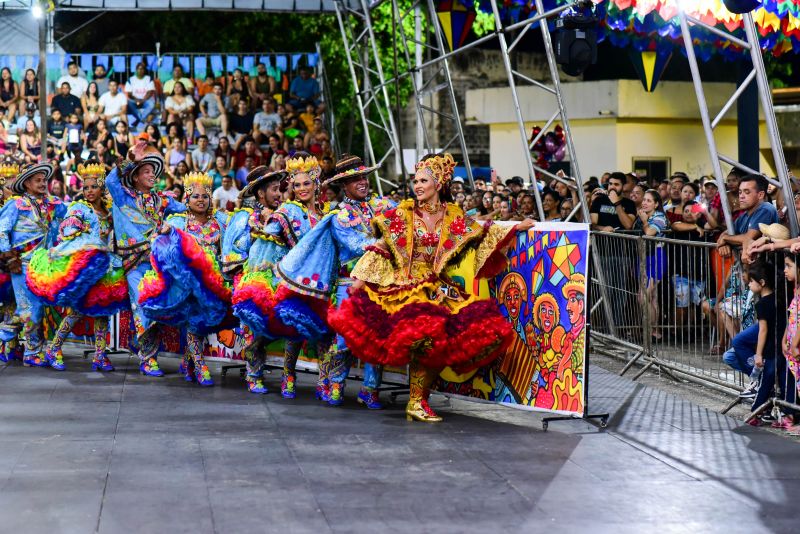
{"x": 434, "y": 334}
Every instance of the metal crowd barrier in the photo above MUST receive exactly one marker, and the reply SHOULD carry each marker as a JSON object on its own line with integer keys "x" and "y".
{"x": 654, "y": 304}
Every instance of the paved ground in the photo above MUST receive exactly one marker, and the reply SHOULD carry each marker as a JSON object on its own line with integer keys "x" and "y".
{"x": 83, "y": 452}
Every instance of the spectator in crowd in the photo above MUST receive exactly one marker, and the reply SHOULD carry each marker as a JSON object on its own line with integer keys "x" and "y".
{"x": 226, "y": 195}
{"x": 113, "y": 104}
{"x": 241, "y": 173}
{"x": 212, "y": 112}
{"x": 565, "y": 208}
{"x": 29, "y": 90}
{"x": 174, "y": 130}
{"x": 278, "y": 161}
{"x": 180, "y": 108}
{"x": 637, "y": 195}
{"x": 316, "y": 137}
{"x": 102, "y": 155}
{"x": 90, "y": 104}
{"x": 676, "y": 183}
{"x": 758, "y": 341}
{"x": 689, "y": 193}
{"x": 506, "y": 213}
{"x": 177, "y": 76}
{"x": 177, "y": 175}
{"x": 690, "y": 265}
{"x": 100, "y": 79}
{"x": 652, "y": 222}
{"x": 304, "y": 90}
{"x": 74, "y": 137}
{"x": 74, "y": 77}
{"x": 30, "y": 113}
{"x": 225, "y": 150}
{"x": 328, "y": 167}
{"x": 56, "y": 127}
{"x": 241, "y": 124}
{"x": 527, "y": 207}
{"x": 307, "y": 117}
{"x": 297, "y": 146}
{"x": 66, "y": 102}
{"x": 262, "y": 86}
{"x": 238, "y": 91}
{"x": 121, "y": 141}
{"x": 630, "y": 182}
{"x": 202, "y": 156}
{"x": 140, "y": 91}
{"x": 752, "y": 193}
{"x": 30, "y": 142}
{"x": 611, "y": 211}
{"x": 550, "y": 203}
{"x": 57, "y": 189}
{"x": 250, "y": 150}
{"x": 732, "y": 190}
{"x": 220, "y": 171}
{"x": 485, "y": 207}
{"x": 177, "y": 191}
{"x": 266, "y": 122}
{"x": 175, "y": 155}
{"x": 154, "y": 137}
{"x": 206, "y": 87}
{"x": 664, "y": 191}
{"x": 713, "y": 202}
{"x": 99, "y": 132}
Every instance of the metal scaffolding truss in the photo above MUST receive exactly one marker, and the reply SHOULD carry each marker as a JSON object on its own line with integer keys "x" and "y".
{"x": 759, "y": 74}
{"x": 430, "y": 78}
{"x": 369, "y": 83}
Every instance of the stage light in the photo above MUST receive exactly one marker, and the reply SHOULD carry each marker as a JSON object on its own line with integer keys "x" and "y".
{"x": 37, "y": 11}
{"x": 576, "y": 41}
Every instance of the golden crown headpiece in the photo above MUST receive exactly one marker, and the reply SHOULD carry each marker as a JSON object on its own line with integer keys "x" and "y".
{"x": 93, "y": 170}
{"x": 197, "y": 180}
{"x": 8, "y": 170}
{"x": 301, "y": 165}
{"x": 442, "y": 167}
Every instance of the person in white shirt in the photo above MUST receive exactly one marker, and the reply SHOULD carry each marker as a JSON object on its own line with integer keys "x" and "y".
{"x": 266, "y": 122}
{"x": 77, "y": 82}
{"x": 225, "y": 197}
{"x": 141, "y": 97}
{"x": 202, "y": 156}
{"x": 113, "y": 105}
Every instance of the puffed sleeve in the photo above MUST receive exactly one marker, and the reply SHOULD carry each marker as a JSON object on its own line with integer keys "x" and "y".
{"x": 375, "y": 267}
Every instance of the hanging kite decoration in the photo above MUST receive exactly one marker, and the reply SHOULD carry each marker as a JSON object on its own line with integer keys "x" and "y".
{"x": 456, "y": 18}
{"x": 650, "y": 65}
{"x": 653, "y": 25}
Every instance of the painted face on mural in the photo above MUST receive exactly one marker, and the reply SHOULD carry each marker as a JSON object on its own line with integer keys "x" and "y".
{"x": 547, "y": 314}
{"x": 512, "y": 299}
{"x": 574, "y": 306}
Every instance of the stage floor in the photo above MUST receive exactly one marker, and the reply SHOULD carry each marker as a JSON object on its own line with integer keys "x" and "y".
{"x": 83, "y": 452}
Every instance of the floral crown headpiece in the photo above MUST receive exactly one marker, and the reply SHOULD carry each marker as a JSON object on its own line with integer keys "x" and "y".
{"x": 93, "y": 170}
{"x": 300, "y": 165}
{"x": 8, "y": 170}
{"x": 441, "y": 166}
{"x": 197, "y": 180}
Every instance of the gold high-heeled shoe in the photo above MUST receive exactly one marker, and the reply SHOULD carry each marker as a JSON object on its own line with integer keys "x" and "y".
{"x": 418, "y": 412}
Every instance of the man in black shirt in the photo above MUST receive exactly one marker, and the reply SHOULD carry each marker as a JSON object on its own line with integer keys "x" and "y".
{"x": 612, "y": 211}
{"x": 66, "y": 102}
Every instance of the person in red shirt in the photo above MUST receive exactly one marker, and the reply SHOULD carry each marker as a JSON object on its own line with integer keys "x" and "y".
{"x": 250, "y": 149}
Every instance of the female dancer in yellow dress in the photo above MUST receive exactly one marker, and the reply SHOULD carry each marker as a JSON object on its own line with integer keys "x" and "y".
{"x": 406, "y": 309}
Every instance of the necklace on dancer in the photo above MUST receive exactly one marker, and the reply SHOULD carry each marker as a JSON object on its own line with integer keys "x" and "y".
{"x": 431, "y": 207}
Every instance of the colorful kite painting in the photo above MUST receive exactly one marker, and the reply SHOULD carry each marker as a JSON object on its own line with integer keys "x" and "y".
{"x": 543, "y": 295}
